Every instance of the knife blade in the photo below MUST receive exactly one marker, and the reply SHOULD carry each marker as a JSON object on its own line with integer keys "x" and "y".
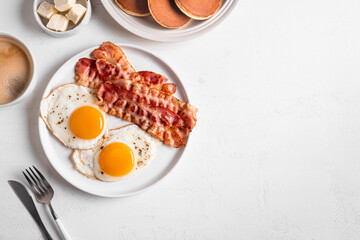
{"x": 28, "y": 202}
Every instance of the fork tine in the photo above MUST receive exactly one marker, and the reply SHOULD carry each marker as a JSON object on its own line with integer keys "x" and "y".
{"x": 35, "y": 182}
{"x": 47, "y": 184}
{"x": 33, "y": 187}
{"x": 40, "y": 183}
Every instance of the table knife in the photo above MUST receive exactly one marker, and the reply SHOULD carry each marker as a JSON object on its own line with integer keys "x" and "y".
{"x": 28, "y": 202}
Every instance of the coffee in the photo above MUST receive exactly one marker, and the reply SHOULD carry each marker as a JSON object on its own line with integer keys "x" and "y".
{"x": 14, "y": 70}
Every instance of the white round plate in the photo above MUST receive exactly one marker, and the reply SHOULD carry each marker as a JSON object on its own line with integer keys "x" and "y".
{"x": 146, "y": 27}
{"x": 60, "y": 156}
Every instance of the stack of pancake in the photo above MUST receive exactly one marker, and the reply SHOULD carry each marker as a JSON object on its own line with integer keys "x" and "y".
{"x": 171, "y": 13}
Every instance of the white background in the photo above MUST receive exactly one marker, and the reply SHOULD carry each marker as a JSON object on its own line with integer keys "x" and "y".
{"x": 275, "y": 153}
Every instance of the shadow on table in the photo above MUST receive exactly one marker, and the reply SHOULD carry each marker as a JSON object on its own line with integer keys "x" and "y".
{"x": 27, "y": 15}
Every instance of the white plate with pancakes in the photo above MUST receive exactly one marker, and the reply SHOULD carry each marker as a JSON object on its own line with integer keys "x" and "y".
{"x": 147, "y": 27}
{"x": 60, "y": 156}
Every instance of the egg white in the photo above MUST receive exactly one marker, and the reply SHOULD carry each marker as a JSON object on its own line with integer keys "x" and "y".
{"x": 57, "y": 108}
{"x": 143, "y": 145}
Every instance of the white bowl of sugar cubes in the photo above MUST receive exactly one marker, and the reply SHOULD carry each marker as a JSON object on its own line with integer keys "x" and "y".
{"x": 62, "y": 18}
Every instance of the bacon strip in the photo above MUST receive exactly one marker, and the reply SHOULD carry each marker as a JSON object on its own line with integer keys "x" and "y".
{"x": 110, "y": 64}
{"x": 92, "y": 73}
{"x": 144, "y": 98}
{"x": 111, "y": 53}
{"x": 164, "y": 116}
{"x": 155, "y": 80}
{"x": 86, "y": 73}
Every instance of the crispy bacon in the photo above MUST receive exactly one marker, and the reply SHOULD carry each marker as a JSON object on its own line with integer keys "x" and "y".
{"x": 86, "y": 73}
{"x": 92, "y": 73}
{"x": 111, "y": 53}
{"x": 164, "y": 116}
{"x": 108, "y": 71}
{"x": 144, "y": 98}
{"x": 110, "y": 64}
{"x": 151, "y": 78}
{"x": 155, "y": 80}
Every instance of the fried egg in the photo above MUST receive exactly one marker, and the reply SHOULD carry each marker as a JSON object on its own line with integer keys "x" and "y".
{"x": 71, "y": 114}
{"x": 123, "y": 154}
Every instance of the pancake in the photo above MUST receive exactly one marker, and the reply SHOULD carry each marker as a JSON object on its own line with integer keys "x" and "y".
{"x": 167, "y": 14}
{"x": 137, "y": 8}
{"x": 198, "y": 9}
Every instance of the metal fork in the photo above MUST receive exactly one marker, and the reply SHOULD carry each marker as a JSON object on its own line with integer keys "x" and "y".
{"x": 43, "y": 193}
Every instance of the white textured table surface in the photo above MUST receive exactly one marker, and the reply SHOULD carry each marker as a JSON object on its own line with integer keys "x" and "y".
{"x": 275, "y": 154}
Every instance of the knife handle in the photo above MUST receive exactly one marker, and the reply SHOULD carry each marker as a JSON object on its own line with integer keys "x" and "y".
{"x": 38, "y": 221}
{"x": 24, "y": 196}
{"x": 44, "y": 231}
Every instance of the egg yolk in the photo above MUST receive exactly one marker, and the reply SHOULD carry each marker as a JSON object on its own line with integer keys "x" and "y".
{"x": 87, "y": 122}
{"x": 116, "y": 159}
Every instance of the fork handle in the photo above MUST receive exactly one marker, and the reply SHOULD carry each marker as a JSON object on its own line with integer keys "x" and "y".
{"x": 62, "y": 229}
